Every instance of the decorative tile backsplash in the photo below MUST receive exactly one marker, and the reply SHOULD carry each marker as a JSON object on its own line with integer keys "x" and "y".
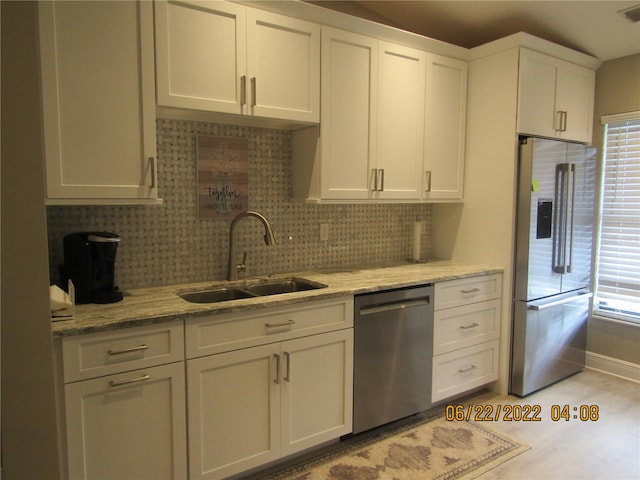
{"x": 167, "y": 244}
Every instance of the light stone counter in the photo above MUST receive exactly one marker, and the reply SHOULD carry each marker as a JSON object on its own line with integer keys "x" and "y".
{"x": 161, "y": 304}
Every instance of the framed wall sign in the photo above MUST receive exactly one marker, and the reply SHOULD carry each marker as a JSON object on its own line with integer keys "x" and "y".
{"x": 223, "y": 176}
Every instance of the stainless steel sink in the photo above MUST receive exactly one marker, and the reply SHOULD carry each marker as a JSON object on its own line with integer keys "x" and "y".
{"x": 256, "y": 288}
{"x": 283, "y": 286}
{"x": 222, "y": 294}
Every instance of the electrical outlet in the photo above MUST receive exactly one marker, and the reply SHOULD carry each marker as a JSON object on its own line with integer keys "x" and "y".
{"x": 324, "y": 232}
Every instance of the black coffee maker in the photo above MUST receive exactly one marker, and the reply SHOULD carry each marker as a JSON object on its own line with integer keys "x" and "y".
{"x": 89, "y": 262}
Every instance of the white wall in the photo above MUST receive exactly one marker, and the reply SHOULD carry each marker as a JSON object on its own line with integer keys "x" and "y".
{"x": 29, "y": 434}
{"x": 617, "y": 91}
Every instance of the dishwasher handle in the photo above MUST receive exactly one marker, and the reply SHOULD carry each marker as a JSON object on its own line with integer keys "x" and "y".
{"x": 388, "y": 307}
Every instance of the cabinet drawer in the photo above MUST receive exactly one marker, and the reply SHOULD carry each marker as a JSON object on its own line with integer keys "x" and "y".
{"x": 460, "y": 327}
{"x": 104, "y": 353}
{"x": 467, "y": 290}
{"x": 465, "y": 369}
{"x": 226, "y": 332}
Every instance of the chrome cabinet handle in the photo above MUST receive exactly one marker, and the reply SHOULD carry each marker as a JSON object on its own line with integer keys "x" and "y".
{"x": 243, "y": 90}
{"x": 467, "y": 369}
{"x": 287, "y": 377}
{"x": 378, "y": 179}
{"x": 286, "y": 323}
{"x": 153, "y": 165}
{"x": 561, "y": 120}
{"x": 253, "y": 91}
{"x": 128, "y": 350}
{"x": 276, "y": 380}
{"x": 472, "y": 290}
{"x": 113, "y": 383}
{"x": 428, "y": 179}
{"x": 467, "y": 327}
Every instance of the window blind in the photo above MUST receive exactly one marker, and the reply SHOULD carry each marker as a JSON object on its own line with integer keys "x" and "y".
{"x": 618, "y": 274}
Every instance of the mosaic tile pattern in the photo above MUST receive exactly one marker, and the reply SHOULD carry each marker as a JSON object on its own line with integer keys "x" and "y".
{"x": 168, "y": 244}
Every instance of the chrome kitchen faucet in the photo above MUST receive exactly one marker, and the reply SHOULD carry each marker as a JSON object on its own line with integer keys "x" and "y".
{"x": 269, "y": 239}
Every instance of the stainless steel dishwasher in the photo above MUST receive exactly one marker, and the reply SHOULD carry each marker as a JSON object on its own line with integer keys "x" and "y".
{"x": 393, "y": 349}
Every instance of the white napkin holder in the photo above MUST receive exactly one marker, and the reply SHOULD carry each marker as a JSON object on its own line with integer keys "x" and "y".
{"x": 63, "y": 304}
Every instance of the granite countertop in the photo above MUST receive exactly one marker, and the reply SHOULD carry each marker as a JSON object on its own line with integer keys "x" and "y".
{"x": 160, "y": 304}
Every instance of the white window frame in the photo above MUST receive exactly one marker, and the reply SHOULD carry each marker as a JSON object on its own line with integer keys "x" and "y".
{"x": 605, "y": 291}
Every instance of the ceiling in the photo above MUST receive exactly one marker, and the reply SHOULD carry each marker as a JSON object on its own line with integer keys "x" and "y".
{"x": 592, "y": 27}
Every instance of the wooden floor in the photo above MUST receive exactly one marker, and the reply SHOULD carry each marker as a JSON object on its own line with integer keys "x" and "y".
{"x": 608, "y": 448}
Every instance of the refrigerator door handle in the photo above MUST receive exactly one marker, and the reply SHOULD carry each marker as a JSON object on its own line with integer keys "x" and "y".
{"x": 543, "y": 306}
{"x": 561, "y": 217}
{"x": 569, "y": 245}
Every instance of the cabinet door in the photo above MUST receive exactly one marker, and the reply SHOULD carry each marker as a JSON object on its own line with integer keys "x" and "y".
{"x": 349, "y": 99}
{"x": 537, "y": 95}
{"x": 201, "y": 55}
{"x": 234, "y": 411}
{"x": 317, "y": 389}
{"x": 575, "y": 96}
{"x": 98, "y": 101}
{"x": 283, "y": 65}
{"x": 446, "y": 112}
{"x": 130, "y": 425}
{"x": 401, "y": 94}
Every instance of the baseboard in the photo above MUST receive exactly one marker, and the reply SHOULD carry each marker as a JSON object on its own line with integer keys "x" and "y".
{"x": 613, "y": 366}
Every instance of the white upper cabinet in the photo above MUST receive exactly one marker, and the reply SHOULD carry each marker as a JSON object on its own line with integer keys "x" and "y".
{"x": 348, "y": 118}
{"x": 98, "y": 98}
{"x": 400, "y": 132}
{"x": 555, "y": 98}
{"x": 226, "y": 58}
{"x": 445, "y": 127}
{"x": 389, "y": 115}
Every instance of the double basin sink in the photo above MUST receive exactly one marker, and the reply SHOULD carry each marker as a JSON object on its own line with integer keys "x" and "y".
{"x": 250, "y": 289}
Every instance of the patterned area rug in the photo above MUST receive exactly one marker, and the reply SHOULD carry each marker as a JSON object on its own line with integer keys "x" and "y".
{"x": 425, "y": 448}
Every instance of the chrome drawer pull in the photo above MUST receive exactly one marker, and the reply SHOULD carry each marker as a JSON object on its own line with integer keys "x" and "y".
{"x": 286, "y": 323}
{"x": 473, "y": 290}
{"x": 113, "y": 383}
{"x": 128, "y": 350}
{"x": 467, "y": 327}
{"x": 467, "y": 369}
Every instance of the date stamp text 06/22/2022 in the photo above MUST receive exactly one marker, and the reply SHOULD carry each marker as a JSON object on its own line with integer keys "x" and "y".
{"x": 522, "y": 413}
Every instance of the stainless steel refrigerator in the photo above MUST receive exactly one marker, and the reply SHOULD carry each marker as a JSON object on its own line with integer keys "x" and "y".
{"x": 552, "y": 293}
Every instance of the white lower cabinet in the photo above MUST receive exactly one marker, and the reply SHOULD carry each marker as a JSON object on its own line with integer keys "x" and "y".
{"x": 124, "y": 403}
{"x": 251, "y": 406}
{"x": 466, "y": 331}
{"x": 128, "y": 426}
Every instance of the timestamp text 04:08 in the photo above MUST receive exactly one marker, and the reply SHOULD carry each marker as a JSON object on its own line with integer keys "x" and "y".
{"x": 520, "y": 413}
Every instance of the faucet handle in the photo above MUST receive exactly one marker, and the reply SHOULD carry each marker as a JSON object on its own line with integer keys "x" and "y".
{"x": 241, "y": 267}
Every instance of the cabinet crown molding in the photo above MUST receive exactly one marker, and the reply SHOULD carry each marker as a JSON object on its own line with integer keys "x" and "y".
{"x": 523, "y": 39}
